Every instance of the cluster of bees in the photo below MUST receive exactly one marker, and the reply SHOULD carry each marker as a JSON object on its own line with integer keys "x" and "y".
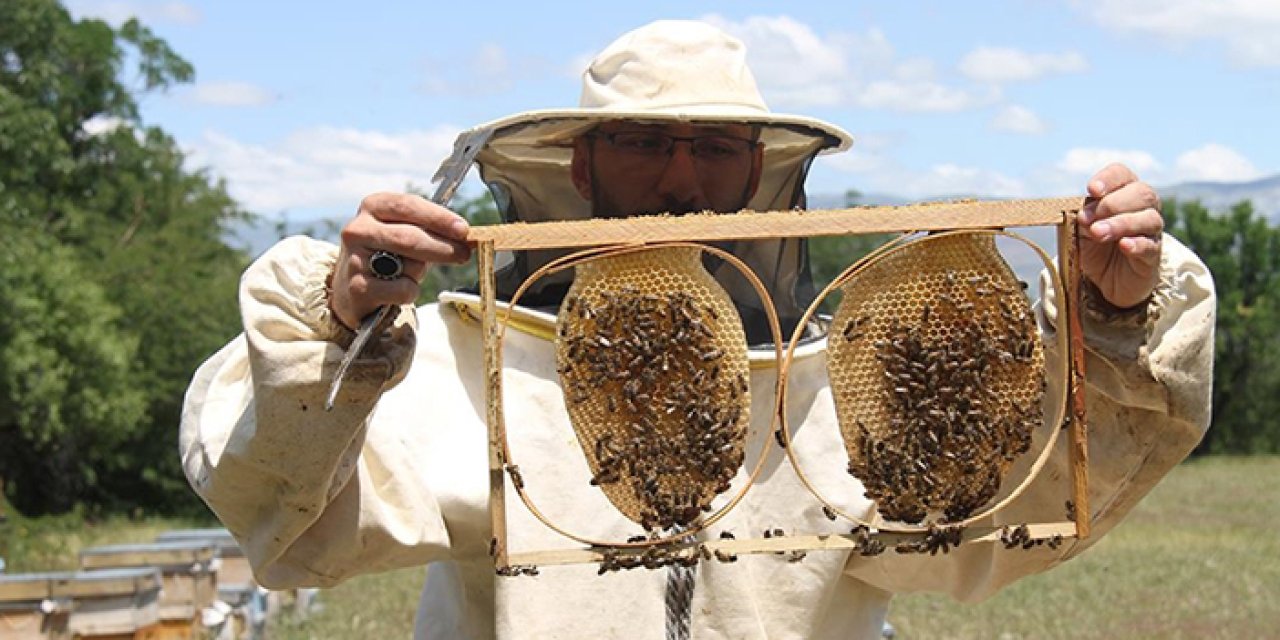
{"x": 659, "y": 412}
{"x": 656, "y": 557}
{"x": 1020, "y": 536}
{"x": 937, "y": 538}
{"x": 952, "y": 429}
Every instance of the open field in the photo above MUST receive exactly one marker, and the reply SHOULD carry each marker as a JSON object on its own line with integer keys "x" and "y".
{"x": 1199, "y": 558}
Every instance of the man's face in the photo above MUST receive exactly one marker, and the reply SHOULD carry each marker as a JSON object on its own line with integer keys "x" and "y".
{"x": 627, "y": 168}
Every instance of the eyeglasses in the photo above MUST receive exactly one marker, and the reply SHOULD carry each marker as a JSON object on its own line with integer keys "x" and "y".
{"x": 654, "y": 144}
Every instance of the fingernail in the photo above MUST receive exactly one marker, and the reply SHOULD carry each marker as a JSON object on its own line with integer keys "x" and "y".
{"x": 461, "y": 227}
{"x": 1097, "y": 187}
{"x": 1101, "y": 231}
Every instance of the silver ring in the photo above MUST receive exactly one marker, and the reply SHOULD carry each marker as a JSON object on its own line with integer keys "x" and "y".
{"x": 385, "y": 265}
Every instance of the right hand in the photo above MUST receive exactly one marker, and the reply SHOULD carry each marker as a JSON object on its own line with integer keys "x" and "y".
{"x": 421, "y": 232}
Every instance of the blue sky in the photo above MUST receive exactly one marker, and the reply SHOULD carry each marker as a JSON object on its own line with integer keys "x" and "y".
{"x": 304, "y": 107}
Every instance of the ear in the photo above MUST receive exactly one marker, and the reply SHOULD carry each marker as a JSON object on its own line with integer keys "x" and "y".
{"x": 580, "y": 167}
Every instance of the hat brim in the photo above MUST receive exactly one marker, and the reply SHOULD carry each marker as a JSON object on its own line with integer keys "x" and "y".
{"x": 559, "y": 127}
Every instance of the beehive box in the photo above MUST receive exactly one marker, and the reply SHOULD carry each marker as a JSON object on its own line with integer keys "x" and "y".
{"x": 188, "y": 572}
{"x": 236, "y": 585}
{"x": 109, "y": 604}
{"x": 233, "y": 567}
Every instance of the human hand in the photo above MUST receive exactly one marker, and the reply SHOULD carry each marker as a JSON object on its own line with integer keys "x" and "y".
{"x": 1120, "y": 243}
{"x": 421, "y": 232}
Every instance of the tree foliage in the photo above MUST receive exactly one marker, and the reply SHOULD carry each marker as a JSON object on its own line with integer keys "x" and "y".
{"x": 829, "y": 256}
{"x": 116, "y": 279}
{"x": 1243, "y": 252}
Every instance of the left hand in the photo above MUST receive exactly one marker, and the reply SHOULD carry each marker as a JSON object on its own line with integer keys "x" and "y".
{"x": 1120, "y": 243}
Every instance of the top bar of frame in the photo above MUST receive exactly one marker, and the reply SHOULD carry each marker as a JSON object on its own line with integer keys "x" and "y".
{"x": 748, "y": 225}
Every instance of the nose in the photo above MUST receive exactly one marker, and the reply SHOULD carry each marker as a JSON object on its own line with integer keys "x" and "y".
{"x": 679, "y": 183}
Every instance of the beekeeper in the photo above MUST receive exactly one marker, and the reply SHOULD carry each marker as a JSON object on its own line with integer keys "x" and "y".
{"x": 397, "y": 475}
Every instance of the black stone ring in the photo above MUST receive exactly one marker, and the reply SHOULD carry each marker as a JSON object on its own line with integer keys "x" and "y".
{"x": 385, "y": 265}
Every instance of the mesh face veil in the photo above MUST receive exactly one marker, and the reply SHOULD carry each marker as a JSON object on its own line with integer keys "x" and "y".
{"x": 664, "y": 73}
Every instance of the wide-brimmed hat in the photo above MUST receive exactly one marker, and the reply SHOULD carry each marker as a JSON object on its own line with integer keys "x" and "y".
{"x": 664, "y": 72}
{"x": 667, "y": 71}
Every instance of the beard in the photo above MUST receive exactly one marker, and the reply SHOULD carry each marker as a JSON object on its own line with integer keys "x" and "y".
{"x": 604, "y": 206}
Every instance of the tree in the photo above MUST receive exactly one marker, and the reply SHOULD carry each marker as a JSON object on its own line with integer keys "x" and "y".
{"x": 122, "y": 283}
{"x": 1243, "y": 253}
{"x": 831, "y": 255}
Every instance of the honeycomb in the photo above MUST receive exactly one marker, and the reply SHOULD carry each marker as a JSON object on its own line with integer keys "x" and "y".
{"x": 938, "y": 375}
{"x": 652, "y": 361}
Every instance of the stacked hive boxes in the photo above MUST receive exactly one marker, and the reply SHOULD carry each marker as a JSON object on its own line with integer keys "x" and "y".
{"x": 115, "y": 603}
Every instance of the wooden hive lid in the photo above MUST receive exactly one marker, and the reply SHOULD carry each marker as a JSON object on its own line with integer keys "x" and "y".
{"x": 78, "y": 584}
{"x": 221, "y": 538}
{"x": 167, "y": 554}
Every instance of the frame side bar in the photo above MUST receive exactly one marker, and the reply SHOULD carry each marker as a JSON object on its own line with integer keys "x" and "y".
{"x": 493, "y": 400}
{"x": 1069, "y": 304}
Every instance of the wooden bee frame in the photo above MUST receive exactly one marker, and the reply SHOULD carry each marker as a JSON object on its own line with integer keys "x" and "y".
{"x": 1061, "y": 213}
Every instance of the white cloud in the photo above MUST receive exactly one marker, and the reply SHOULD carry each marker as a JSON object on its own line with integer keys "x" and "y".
{"x": 919, "y": 96}
{"x": 1247, "y": 28}
{"x": 1215, "y": 163}
{"x": 231, "y": 94}
{"x": 99, "y": 125}
{"x": 487, "y": 70}
{"x": 1018, "y": 119}
{"x": 792, "y": 64}
{"x": 953, "y": 180}
{"x": 872, "y": 160}
{"x": 796, "y": 68}
{"x": 117, "y": 12}
{"x": 490, "y": 61}
{"x": 322, "y": 167}
{"x": 1087, "y": 161}
{"x": 877, "y": 169}
{"x": 1000, "y": 65}
{"x": 868, "y": 155}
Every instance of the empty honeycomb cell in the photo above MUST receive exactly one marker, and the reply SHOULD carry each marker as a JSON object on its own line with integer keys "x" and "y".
{"x": 937, "y": 371}
{"x": 653, "y": 364}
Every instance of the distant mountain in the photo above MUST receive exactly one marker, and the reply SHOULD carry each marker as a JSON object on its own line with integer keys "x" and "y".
{"x": 255, "y": 238}
{"x": 1219, "y": 196}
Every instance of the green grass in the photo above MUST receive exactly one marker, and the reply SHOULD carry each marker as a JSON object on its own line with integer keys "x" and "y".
{"x": 1199, "y": 558}
{"x": 31, "y": 545}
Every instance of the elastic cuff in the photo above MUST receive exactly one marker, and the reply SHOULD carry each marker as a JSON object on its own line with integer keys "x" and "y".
{"x": 317, "y": 312}
{"x": 1096, "y": 308}
{"x": 1124, "y": 332}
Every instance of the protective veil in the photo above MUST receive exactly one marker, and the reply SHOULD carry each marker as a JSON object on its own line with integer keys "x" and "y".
{"x": 664, "y": 73}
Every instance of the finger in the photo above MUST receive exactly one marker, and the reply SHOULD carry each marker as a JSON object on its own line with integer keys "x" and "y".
{"x": 1134, "y": 196}
{"x": 412, "y": 269}
{"x": 1147, "y": 223}
{"x": 374, "y": 292}
{"x": 366, "y": 234}
{"x": 1112, "y": 177}
{"x": 415, "y": 210}
{"x": 1145, "y": 251}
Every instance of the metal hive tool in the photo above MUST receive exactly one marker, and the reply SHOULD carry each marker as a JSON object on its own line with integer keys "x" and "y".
{"x": 938, "y": 375}
{"x": 653, "y": 363}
